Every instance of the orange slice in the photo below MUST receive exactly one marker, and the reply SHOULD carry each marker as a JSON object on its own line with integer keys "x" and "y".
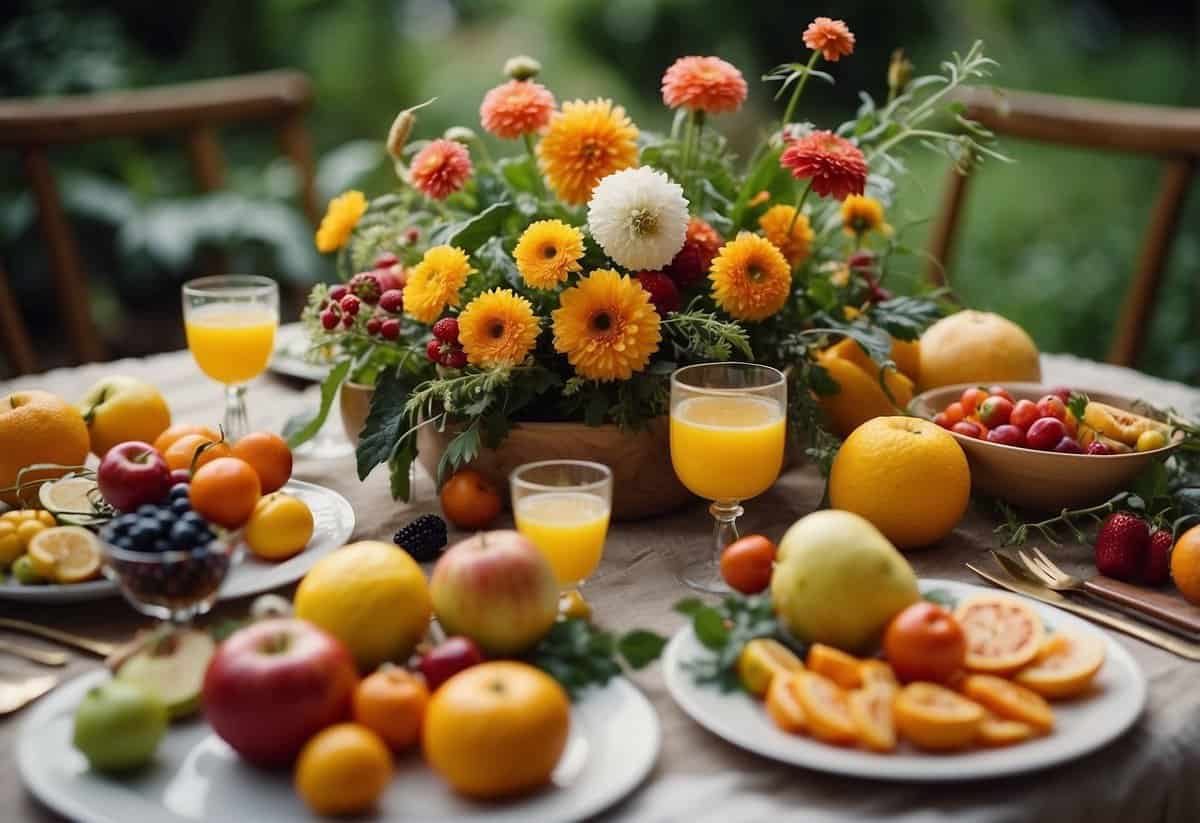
{"x": 877, "y": 673}
{"x": 826, "y": 710}
{"x": 871, "y": 710}
{"x": 1010, "y": 701}
{"x": 1003, "y": 633}
{"x": 997, "y": 731}
{"x": 835, "y": 664}
{"x": 65, "y": 554}
{"x": 761, "y": 661}
{"x": 1065, "y": 667}
{"x": 783, "y": 707}
{"x": 933, "y": 717}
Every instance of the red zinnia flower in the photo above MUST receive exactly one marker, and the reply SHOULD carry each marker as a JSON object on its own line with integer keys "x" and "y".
{"x": 708, "y": 84}
{"x": 515, "y": 108}
{"x": 440, "y": 169}
{"x": 700, "y": 246}
{"x": 832, "y": 38}
{"x": 835, "y": 165}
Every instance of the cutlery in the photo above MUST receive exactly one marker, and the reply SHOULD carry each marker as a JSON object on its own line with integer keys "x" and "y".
{"x": 1016, "y": 580}
{"x": 15, "y": 695}
{"x": 96, "y": 647}
{"x": 43, "y": 656}
{"x": 1177, "y": 615}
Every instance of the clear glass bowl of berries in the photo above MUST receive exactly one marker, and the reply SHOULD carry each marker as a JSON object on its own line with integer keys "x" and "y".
{"x": 167, "y": 560}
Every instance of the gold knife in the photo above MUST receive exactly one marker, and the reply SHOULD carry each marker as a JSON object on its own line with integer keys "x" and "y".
{"x": 1155, "y": 637}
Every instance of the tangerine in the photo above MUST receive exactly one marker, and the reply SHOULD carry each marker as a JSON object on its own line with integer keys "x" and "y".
{"x": 835, "y": 664}
{"x": 1065, "y": 666}
{"x": 225, "y": 492}
{"x": 871, "y": 709}
{"x": 186, "y": 450}
{"x": 269, "y": 455}
{"x": 782, "y": 705}
{"x": 343, "y": 770}
{"x": 392, "y": 702}
{"x": 826, "y": 710}
{"x": 38, "y": 427}
{"x": 470, "y": 501}
{"x": 997, "y": 731}
{"x": 178, "y": 430}
{"x": 1185, "y": 564}
{"x": 1009, "y": 700}
{"x": 935, "y": 718}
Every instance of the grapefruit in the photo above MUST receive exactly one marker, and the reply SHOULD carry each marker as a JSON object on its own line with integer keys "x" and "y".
{"x": 977, "y": 347}
{"x": 1065, "y": 666}
{"x": 935, "y": 718}
{"x": 1003, "y": 633}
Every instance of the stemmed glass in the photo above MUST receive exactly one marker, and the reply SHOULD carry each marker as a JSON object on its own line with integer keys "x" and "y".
{"x": 230, "y": 322}
{"x": 563, "y": 507}
{"x": 728, "y": 430}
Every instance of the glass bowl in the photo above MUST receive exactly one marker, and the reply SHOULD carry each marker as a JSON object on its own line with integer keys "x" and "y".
{"x": 174, "y": 585}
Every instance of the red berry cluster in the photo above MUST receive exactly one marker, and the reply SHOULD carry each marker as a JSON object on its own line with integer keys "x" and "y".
{"x": 993, "y": 415}
{"x": 1128, "y": 549}
{"x": 382, "y": 288}
{"x": 691, "y": 263}
{"x": 444, "y": 348}
{"x": 664, "y": 294}
{"x": 863, "y": 263}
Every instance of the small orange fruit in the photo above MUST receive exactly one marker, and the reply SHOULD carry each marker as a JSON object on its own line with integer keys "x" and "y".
{"x": 269, "y": 455}
{"x": 783, "y": 707}
{"x": 761, "y": 661}
{"x": 279, "y": 527}
{"x": 392, "y": 702}
{"x": 165, "y": 440}
{"x": 343, "y": 770}
{"x": 470, "y": 501}
{"x": 225, "y": 491}
{"x": 935, "y": 718}
{"x": 1185, "y": 564}
{"x": 181, "y": 453}
{"x": 877, "y": 674}
{"x": 997, "y": 731}
{"x": 1003, "y": 633}
{"x": 835, "y": 664}
{"x": 1008, "y": 700}
{"x": 1065, "y": 666}
{"x": 825, "y": 708}
{"x": 871, "y": 709}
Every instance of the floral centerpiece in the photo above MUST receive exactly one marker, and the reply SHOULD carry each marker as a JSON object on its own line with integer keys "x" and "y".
{"x": 567, "y": 280}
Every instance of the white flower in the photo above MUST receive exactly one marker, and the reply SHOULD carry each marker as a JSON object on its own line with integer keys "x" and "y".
{"x": 639, "y": 217}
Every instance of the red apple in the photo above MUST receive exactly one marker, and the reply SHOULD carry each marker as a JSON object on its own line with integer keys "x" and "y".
{"x": 274, "y": 684}
{"x": 497, "y": 589}
{"x": 132, "y": 474}
{"x": 448, "y": 658}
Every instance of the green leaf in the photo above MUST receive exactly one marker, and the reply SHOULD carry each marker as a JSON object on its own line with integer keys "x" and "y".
{"x": 640, "y": 648}
{"x": 710, "y": 628}
{"x": 874, "y": 341}
{"x": 519, "y": 173}
{"x": 941, "y": 597}
{"x": 822, "y": 293}
{"x": 302, "y": 430}
{"x": 471, "y": 233}
{"x": 386, "y": 423}
{"x": 1077, "y": 403}
{"x": 400, "y": 466}
{"x": 689, "y": 606}
{"x": 461, "y": 450}
{"x": 1151, "y": 484}
{"x": 765, "y": 170}
{"x": 905, "y": 317}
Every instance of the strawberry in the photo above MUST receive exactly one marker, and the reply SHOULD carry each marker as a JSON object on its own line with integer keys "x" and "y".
{"x": 664, "y": 294}
{"x": 365, "y": 286}
{"x": 1122, "y": 545}
{"x": 1157, "y": 569}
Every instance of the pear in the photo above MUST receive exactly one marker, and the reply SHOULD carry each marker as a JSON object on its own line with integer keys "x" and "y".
{"x": 172, "y": 668}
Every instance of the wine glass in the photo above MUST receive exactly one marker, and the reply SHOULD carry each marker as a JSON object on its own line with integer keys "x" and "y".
{"x": 563, "y": 507}
{"x": 728, "y": 430}
{"x": 230, "y": 322}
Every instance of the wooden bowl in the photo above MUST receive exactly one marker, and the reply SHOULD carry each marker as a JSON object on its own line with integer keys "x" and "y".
{"x": 1042, "y": 480}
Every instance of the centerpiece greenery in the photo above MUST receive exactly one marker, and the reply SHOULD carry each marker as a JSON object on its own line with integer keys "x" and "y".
{"x": 567, "y": 280}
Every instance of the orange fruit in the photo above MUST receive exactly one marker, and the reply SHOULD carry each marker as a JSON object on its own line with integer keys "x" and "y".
{"x": 935, "y": 718}
{"x": 119, "y": 409}
{"x": 826, "y": 710}
{"x": 182, "y": 453}
{"x": 1065, "y": 665}
{"x": 165, "y": 440}
{"x": 470, "y": 501}
{"x": 835, "y": 664}
{"x": 225, "y": 492}
{"x": 1185, "y": 564}
{"x": 877, "y": 674}
{"x": 269, "y": 455}
{"x": 977, "y": 347}
{"x": 783, "y": 707}
{"x": 1009, "y": 700}
{"x": 496, "y": 729}
{"x": 997, "y": 731}
{"x": 392, "y": 702}
{"x": 1003, "y": 633}
{"x": 909, "y": 477}
{"x": 860, "y": 396}
{"x": 37, "y": 427}
{"x": 761, "y": 661}
{"x": 924, "y": 642}
{"x": 279, "y": 527}
{"x": 343, "y": 770}
{"x": 871, "y": 709}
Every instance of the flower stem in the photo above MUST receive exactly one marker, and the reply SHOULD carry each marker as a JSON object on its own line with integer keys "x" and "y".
{"x": 791, "y": 106}
{"x": 799, "y": 205}
{"x": 537, "y": 177}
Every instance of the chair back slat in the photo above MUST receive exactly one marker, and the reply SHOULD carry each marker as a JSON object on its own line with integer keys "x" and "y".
{"x": 17, "y": 345}
{"x": 204, "y": 155}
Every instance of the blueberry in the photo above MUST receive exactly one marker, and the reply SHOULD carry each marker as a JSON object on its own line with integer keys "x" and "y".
{"x": 205, "y": 536}
{"x": 141, "y": 537}
{"x": 162, "y": 545}
{"x": 184, "y": 535}
{"x": 181, "y": 505}
{"x": 124, "y": 543}
{"x": 193, "y": 518}
{"x": 125, "y": 522}
{"x": 166, "y": 517}
{"x": 178, "y": 491}
{"x": 147, "y": 510}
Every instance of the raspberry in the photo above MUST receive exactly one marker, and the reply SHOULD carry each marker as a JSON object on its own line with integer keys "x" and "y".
{"x": 337, "y": 293}
{"x": 664, "y": 294}
{"x": 365, "y": 286}
{"x": 433, "y": 350}
{"x": 456, "y": 358}
{"x": 328, "y": 320}
{"x": 392, "y": 300}
{"x": 390, "y": 328}
{"x": 350, "y": 304}
{"x": 393, "y": 278}
{"x": 691, "y": 263}
{"x": 373, "y": 325}
{"x": 446, "y": 330}
{"x": 347, "y": 321}
{"x": 385, "y": 261}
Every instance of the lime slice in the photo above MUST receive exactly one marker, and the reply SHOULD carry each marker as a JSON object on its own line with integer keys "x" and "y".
{"x": 65, "y": 554}
{"x": 172, "y": 668}
{"x": 70, "y": 501}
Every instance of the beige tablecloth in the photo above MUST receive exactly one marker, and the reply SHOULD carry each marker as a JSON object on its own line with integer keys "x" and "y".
{"x": 1148, "y": 774}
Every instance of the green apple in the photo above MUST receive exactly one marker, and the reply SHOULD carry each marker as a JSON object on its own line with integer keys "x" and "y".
{"x": 118, "y": 726}
{"x": 172, "y": 668}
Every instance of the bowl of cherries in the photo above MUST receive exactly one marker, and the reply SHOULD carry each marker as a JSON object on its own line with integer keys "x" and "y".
{"x": 1046, "y": 448}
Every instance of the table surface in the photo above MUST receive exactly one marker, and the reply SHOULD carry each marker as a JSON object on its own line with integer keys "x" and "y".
{"x": 1148, "y": 774}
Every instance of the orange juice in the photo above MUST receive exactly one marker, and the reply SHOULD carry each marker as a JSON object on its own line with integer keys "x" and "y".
{"x": 568, "y": 528}
{"x": 727, "y": 448}
{"x": 231, "y": 344}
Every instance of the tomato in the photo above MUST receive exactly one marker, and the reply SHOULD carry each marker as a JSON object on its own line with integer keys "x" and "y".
{"x": 942, "y": 420}
{"x": 746, "y": 564}
{"x": 470, "y": 501}
{"x": 1062, "y": 393}
{"x": 1000, "y": 391}
{"x": 995, "y": 411}
{"x": 1045, "y": 433}
{"x": 971, "y": 398}
{"x": 925, "y": 642}
{"x": 954, "y": 412}
{"x": 1023, "y": 414}
{"x": 968, "y": 428}
{"x": 1052, "y": 406}
{"x": 1007, "y": 435}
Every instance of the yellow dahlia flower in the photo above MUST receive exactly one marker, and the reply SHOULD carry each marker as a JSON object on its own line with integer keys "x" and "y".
{"x": 585, "y": 142}
{"x": 339, "y": 221}
{"x": 796, "y": 243}
{"x": 751, "y": 278}
{"x": 861, "y": 214}
{"x": 548, "y": 251}
{"x": 497, "y": 328}
{"x": 434, "y": 283}
{"x": 606, "y": 326}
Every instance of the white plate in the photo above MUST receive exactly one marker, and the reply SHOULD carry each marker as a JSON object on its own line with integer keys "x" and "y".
{"x": 291, "y": 344}
{"x": 613, "y": 744}
{"x": 1081, "y": 726}
{"x": 333, "y": 524}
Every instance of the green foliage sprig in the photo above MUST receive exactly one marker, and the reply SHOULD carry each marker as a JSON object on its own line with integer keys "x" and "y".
{"x": 724, "y": 630}
{"x": 579, "y": 655}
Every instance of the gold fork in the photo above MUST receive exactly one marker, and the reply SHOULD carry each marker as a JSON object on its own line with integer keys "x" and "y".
{"x": 16, "y": 695}
{"x": 1174, "y": 615}
{"x": 43, "y": 656}
{"x": 96, "y": 647}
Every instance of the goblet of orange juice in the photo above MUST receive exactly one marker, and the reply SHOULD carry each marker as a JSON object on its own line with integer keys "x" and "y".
{"x": 230, "y": 322}
{"x": 562, "y": 507}
{"x": 728, "y": 430}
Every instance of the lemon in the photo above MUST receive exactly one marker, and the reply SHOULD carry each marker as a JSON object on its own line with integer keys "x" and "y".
{"x": 65, "y": 554}
{"x": 70, "y": 500}
{"x": 370, "y": 595}
{"x": 280, "y": 526}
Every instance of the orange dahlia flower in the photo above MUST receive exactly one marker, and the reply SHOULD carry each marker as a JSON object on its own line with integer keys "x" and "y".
{"x": 832, "y": 38}
{"x": 707, "y": 84}
{"x": 835, "y": 165}
{"x": 586, "y": 141}
{"x": 440, "y": 169}
{"x": 515, "y": 108}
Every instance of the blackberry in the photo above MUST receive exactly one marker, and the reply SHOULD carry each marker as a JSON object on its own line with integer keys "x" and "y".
{"x": 424, "y": 538}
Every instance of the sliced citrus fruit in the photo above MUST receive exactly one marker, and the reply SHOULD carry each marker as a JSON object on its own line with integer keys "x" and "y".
{"x": 65, "y": 554}
{"x": 871, "y": 710}
{"x": 1010, "y": 701}
{"x": 783, "y": 707}
{"x": 835, "y": 664}
{"x": 877, "y": 673}
{"x": 997, "y": 731}
{"x": 1065, "y": 666}
{"x": 70, "y": 500}
{"x": 1003, "y": 633}
{"x": 761, "y": 660}
{"x": 933, "y": 717}
{"x": 826, "y": 710}
{"x": 1119, "y": 424}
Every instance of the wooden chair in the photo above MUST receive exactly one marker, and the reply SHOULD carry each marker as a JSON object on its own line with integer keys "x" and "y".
{"x": 197, "y": 110}
{"x": 1171, "y": 134}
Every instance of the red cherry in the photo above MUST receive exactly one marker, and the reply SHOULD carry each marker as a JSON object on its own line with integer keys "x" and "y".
{"x": 392, "y": 300}
{"x": 995, "y": 411}
{"x": 968, "y": 428}
{"x": 1023, "y": 414}
{"x": 1096, "y": 447}
{"x": 456, "y": 359}
{"x": 350, "y": 304}
{"x": 943, "y": 420}
{"x": 373, "y": 325}
{"x": 971, "y": 398}
{"x": 347, "y": 321}
{"x": 1052, "y": 406}
{"x": 446, "y": 330}
{"x": 433, "y": 350}
{"x": 1000, "y": 391}
{"x": 328, "y": 320}
{"x": 337, "y": 293}
{"x": 390, "y": 328}
{"x": 1045, "y": 433}
{"x": 1069, "y": 445}
{"x": 1061, "y": 392}
{"x": 1007, "y": 435}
